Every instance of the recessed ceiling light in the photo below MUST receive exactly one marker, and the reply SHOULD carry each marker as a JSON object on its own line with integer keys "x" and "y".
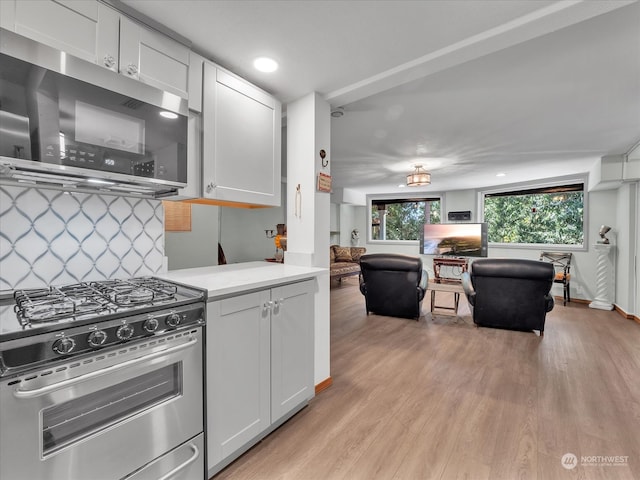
{"x": 166, "y": 114}
{"x": 501, "y": 174}
{"x": 265, "y": 64}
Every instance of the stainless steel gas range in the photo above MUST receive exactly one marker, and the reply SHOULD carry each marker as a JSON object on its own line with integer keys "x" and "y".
{"x": 102, "y": 380}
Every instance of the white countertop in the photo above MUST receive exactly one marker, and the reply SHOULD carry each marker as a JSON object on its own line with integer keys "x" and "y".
{"x": 235, "y": 278}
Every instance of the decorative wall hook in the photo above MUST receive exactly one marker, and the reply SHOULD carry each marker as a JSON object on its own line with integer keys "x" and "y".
{"x": 323, "y": 156}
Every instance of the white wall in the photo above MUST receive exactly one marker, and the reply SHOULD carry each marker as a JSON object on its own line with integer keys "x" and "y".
{"x": 458, "y": 201}
{"x": 308, "y": 215}
{"x": 334, "y": 223}
{"x": 199, "y": 247}
{"x": 625, "y": 231}
{"x": 242, "y": 231}
{"x": 347, "y": 224}
{"x": 636, "y": 257}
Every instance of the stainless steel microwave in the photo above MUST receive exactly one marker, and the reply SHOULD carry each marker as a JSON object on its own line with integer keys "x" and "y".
{"x": 72, "y": 124}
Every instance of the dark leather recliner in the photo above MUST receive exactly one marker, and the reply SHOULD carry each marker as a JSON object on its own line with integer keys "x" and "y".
{"x": 509, "y": 293}
{"x": 393, "y": 285}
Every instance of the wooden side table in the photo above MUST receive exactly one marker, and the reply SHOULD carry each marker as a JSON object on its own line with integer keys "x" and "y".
{"x": 455, "y": 288}
{"x": 458, "y": 263}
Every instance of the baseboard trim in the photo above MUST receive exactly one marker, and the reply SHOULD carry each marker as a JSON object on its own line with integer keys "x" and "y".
{"x": 323, "y": 385}
{"x": 581, "y": 300}
{"x": 560, "y": 299}
{"x": 628, "y": 316}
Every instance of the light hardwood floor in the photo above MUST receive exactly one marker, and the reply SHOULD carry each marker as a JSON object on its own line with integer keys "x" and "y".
{"x": 441, "y": 399}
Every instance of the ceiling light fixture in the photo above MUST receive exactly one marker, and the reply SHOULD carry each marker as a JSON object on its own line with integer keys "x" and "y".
{"x": 419, "y": 177}
{"x": 265, "y": 64}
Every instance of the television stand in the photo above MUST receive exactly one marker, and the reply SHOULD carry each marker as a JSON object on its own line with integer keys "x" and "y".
{"x": 455, "y": 263}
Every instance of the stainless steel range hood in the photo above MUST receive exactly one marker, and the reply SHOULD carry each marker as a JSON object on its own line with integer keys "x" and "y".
{"x": 27, "y": 173}
{"x": 31, "y": 120}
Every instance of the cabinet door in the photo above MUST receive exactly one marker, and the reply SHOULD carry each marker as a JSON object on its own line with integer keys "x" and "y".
{"x": 238, "y": 375}
{"x": 196, "y": 63}
{"x": 153, "y": 58}
{"x": 241, "y": 149}
{"x": 194, "y": 159}
{"x": 292, "y": 353}
{"x": 85, "y": 29}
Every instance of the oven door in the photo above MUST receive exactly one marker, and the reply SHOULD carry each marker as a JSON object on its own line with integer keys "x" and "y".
{"x": 104, "y": 416}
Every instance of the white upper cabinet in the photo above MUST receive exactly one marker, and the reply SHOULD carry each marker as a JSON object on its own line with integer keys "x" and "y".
{"x": 85, "y": 29}
{"x": 153, "y": 58}
{"x": 241, "y": 140}
{"x": 99, "y": 34}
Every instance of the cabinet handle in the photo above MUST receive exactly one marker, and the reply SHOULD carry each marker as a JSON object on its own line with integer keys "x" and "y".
{"x": 132, "y": 69}
{"x": 210, "y": 187}
{"x": 109, "y": 61}
{"x": 276, "y": 306}
{"x": 267, "y": 306}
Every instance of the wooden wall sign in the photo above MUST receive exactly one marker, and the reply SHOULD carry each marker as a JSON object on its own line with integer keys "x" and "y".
{"x": 324, "y": 182}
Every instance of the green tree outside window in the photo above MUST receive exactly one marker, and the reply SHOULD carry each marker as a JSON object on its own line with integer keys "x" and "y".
{"x": 554, "y": 217}
{"x": 402, "y": 219}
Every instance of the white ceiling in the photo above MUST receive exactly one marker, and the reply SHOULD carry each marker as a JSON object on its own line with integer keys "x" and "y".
{"x": 468, "y": 88}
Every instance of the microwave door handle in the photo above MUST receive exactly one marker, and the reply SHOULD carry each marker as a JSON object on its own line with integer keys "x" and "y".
{"x": 36, "y": 392}
{"x": 182, "y": 466}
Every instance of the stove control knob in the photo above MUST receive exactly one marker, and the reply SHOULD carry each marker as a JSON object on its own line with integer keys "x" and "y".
{"x": 64, "y": 345}
{"x": 97, "y": 338}
{"x": 151, "y": 325}
{"x": 172, "y": 320}
{"x": 124, "y": 332}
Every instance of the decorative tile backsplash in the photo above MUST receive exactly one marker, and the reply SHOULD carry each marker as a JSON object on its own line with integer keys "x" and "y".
{"x": 50, "y": 237}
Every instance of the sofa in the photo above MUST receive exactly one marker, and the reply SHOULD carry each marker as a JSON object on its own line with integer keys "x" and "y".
{"x": 393, "y": 285}
{"x": 509, "y": 293}
{"x": 344, "y": 261}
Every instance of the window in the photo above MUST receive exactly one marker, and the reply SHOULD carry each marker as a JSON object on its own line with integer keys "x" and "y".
{"x": 552, "y": 215}
{"x": 402, "y": 218}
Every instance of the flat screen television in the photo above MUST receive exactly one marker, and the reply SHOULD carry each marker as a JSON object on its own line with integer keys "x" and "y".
{"x": 454, "y": 239}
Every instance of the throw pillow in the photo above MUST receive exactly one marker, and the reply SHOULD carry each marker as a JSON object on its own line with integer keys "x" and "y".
{"x": 343, "y": 254}
{"x": 356, "y": 253}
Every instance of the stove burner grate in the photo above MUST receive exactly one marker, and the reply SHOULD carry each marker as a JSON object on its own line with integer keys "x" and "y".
{"x": 54, "y": 303}
{"x": 93, "y": 298}
{"x": 136, "y": 291}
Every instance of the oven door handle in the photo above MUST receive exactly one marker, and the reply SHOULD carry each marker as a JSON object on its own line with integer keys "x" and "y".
{"x": 36, "y": 392}
{"x": 182, "y": 466}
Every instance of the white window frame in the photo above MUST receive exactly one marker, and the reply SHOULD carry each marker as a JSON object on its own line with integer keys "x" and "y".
{"x": 559, "y": 181}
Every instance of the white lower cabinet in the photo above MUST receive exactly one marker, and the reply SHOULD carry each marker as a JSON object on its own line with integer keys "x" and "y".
{"x": 259, "y": 366}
